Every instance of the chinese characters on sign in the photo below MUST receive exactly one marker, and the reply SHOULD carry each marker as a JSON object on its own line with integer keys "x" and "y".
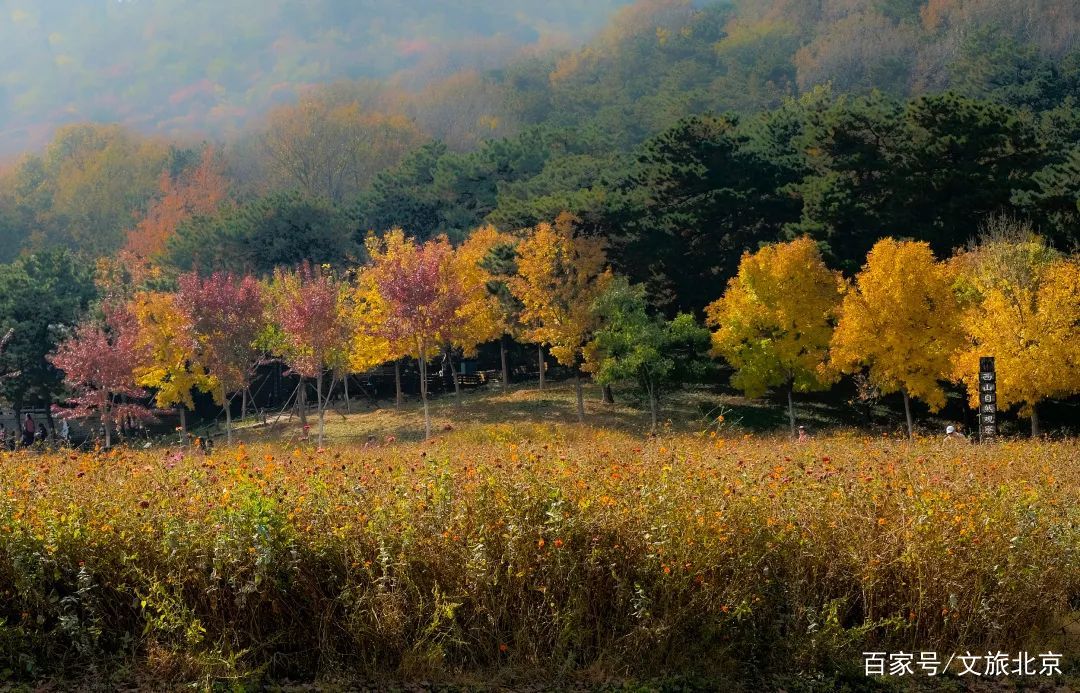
{"x": 987, "y": 399}
{"x": 967, "y": 664}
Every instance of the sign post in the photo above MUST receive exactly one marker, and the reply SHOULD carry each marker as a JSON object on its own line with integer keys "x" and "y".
{"x": 987, "y": 400}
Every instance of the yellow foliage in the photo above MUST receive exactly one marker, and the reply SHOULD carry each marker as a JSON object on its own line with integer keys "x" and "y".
{"x": 560, "y": 276}
{"x": 902, "y": 321}
{"x": 168, "y": 350}
{"x": 480, "y": 318}
{"x": 775, "y": 320}
{"x": 368, "y": 348}
{"x": 1024, "y": 310}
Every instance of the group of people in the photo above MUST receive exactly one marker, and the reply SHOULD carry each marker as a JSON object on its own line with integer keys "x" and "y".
{"x": 30, "y": 433}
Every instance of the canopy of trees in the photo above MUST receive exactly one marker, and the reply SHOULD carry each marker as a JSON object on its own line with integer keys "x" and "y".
{"x": 682, "y": 138}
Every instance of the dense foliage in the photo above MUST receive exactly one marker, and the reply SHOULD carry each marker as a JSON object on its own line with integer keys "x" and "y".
{"x": 514, "y": 548}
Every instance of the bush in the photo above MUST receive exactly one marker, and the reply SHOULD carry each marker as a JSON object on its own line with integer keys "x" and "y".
{"x": 534, "y": 554}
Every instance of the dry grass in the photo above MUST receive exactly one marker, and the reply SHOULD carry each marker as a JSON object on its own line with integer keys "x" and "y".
{"x": 535, "y": 549}
{"x": 692, "y": 411}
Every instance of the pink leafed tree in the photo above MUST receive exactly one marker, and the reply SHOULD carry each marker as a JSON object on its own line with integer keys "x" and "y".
{"x": 309, "y": 310}
{"x": 227, "y": 313}
{"x": 422, "y": 295}
{"x": 98, "y": 362}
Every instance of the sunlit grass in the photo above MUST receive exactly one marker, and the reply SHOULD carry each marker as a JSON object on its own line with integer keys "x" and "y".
{"x": 536, "y": 548}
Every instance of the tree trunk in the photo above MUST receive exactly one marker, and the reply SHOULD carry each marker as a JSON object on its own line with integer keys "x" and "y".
{"x": 454, "y": 375}
{"x": 48, "y": 413}
{"x": 228, "y": 420}
{"x": 348, "y": 406}
{"x": 609, "y": 396}
{"x": 652, "y": 405}
{"x": 580, "y": 396}
{"x": 540, "y": 358}
{"x": 301, "y": 402}
{"x": 243, "y": 403}
{"x": 321, "y": 408}
{"x": 907, "y": 413}
{"x": 108, "y": 431}
{"x": 505, "y": 363}
{"x": 791, "y": 408}
{"x": 1035, "y": 421}
{"x": 423, "y": 393}
{"x": 183, "y": 423}
{"x": 397, "y": 383}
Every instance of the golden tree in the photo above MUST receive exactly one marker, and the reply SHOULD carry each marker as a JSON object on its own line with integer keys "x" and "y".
{"x": 167, "y": 348}
{"x": 560, "y": 276}
{"x": 901, "y": 322}
{"x": 367, "y": 314}
{"x": 775, "y": 321}
{"x": 480, "y": 318}
{"x": 1021, "y": 306}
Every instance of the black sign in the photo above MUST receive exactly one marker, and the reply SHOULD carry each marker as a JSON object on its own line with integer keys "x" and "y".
{"x": 987, "y": 399}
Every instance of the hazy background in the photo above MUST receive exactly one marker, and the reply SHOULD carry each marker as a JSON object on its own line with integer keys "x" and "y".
{"x": 175, "y": 66}
{"x": 120, "y": 121}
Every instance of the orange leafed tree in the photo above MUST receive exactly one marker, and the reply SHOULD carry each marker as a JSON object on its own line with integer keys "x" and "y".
{"x": 201, "y": 190}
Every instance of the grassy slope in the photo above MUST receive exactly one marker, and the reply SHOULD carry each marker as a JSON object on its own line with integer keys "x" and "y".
{"x": 691, "y": 410}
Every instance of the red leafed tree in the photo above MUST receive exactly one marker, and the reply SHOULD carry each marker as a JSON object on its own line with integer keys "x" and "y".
{"x": 199, "y": 191}
{"x": 422, "y": 295}
{"x": 98, "y": 362}
{"x": 227, "y": 314}
{"x": 309, "y": 308}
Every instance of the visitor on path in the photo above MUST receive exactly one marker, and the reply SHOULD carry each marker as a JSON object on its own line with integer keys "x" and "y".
{"x": 803, "y": 435}
{"x": 65, "y": 432}
{"x": 952, "y": 434}
{"x": 28, "y": 431}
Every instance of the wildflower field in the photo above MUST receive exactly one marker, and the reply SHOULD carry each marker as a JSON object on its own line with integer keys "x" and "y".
{"x": 496, "y": 552}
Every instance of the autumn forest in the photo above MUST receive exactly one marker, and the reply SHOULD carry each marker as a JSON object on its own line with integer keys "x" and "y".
{"x": 654, "y": 311}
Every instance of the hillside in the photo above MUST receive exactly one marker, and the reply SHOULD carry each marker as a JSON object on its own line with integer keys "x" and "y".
{"x": 179, "y": 66}
{"x": 205, "y": 68}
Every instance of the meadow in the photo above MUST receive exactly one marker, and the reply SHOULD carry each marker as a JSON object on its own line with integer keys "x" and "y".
{"x": 532, "y": 551}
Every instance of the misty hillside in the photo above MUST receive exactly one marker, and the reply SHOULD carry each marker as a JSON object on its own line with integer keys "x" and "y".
{"x": 439, "y": 116}
{"x": 202, "y": 65}
{"x": 467, "y": 70}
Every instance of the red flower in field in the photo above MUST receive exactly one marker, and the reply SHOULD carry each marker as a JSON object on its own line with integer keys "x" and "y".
{"x": 558, "y": 543}
{"x": 503, "y": 647}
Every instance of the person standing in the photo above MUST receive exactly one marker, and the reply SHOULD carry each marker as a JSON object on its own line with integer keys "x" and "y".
{"x": 28, "y": 431}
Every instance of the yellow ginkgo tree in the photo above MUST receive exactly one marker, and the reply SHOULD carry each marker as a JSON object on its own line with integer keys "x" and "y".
{"x": 775, "y": 321}
{"x": 167, "y": 349}
{"x": 1022, "y": 306}
{"x": 900, "y": 322}
{"x": 560, "y": 276}
{"x": 369, "y": 346}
